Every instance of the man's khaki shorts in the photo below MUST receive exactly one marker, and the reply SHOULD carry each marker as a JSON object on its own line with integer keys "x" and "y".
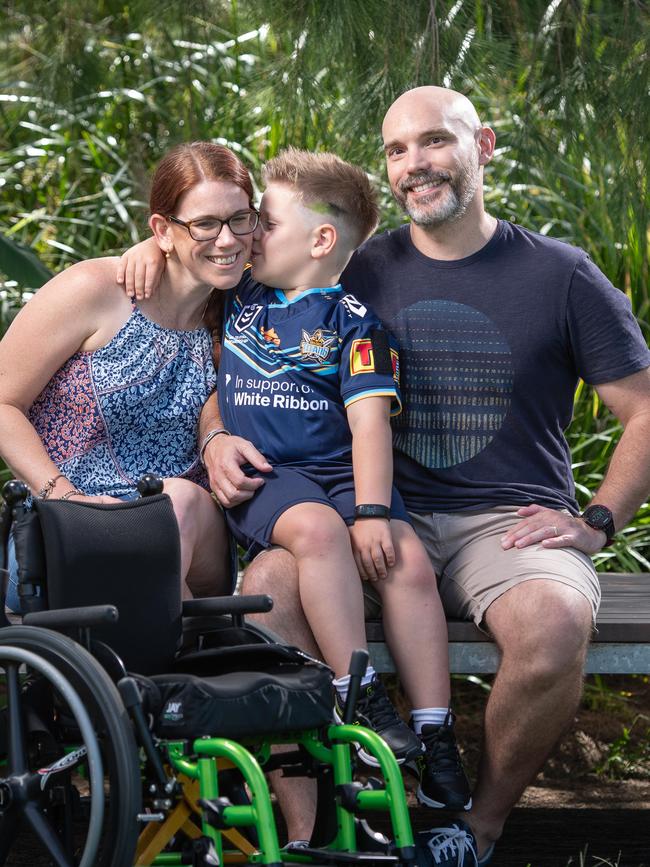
{"x": 473, "y": 569}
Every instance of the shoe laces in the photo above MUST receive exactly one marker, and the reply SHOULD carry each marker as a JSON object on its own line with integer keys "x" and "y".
{"x": 454, "y": 843}
{"x": 441, "y": 748}
{"x": 376, "y": 706}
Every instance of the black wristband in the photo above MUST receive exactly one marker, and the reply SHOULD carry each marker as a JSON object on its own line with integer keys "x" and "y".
{"x": 371, "y": 510}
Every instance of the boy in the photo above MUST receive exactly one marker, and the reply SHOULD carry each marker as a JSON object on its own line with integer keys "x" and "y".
{"x": 309, "y": 376}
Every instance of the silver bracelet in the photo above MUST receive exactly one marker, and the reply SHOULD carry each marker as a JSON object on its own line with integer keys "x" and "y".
{"x": 208, "y": 439}
{"x": 73, "y": 493}
{"x": 49, "y": 486}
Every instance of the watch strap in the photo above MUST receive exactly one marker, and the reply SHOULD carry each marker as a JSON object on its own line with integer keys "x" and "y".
{"x": 371, "y": 510}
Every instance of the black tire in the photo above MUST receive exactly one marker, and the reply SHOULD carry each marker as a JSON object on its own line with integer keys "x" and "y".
{"x": 113, "y": 730}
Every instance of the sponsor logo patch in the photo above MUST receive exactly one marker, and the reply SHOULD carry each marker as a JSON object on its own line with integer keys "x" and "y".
{"x": 271, "y": 336}
{"x": 362, "y": 358}
{"x": 318, "y": 345}
{"x": 354, "y": 306}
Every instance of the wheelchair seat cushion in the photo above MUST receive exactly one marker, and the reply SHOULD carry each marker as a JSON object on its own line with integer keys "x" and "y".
{"x": 241, "y": 691}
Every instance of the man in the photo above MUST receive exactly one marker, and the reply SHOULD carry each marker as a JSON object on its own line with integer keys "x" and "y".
{"x": 496, "y": 325}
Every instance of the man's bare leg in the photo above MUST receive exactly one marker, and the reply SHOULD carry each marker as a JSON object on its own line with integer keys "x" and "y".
{"x": 543, "y": 629}
{"x": 274, "y": 572}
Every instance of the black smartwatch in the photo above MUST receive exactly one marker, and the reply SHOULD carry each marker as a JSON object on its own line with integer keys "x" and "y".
{"x": 371, "y": 510}
{"x": 600, "y": 518}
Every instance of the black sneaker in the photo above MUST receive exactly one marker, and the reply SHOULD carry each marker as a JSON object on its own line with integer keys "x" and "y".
{"x": 443, "y": 783}
{"x": 375, "y": 711}
{"x": 454, "y": 846}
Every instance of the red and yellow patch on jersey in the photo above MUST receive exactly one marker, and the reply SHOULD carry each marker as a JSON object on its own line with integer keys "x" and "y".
{"x": 362, "y": 358}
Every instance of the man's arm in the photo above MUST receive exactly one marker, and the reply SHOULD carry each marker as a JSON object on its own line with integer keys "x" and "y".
{"x": 223, "y": 457}
{"x": 625, "y": 486}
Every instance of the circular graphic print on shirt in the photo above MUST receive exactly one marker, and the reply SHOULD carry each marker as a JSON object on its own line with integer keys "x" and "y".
{"x": 456, "y": 379}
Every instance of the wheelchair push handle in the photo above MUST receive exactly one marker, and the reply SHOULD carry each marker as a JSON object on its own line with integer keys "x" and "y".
{"x": 15, "y": 492}
{"x": 357, "y": 669}
{"x": 149, "y": 485}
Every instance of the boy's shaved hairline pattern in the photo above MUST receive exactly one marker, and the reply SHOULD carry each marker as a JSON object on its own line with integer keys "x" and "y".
{"x": 328, "y": 185}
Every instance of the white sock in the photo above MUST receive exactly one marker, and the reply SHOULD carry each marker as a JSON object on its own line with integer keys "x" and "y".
{"x": 428, "y": 716}
{"x": 341, "y": 684}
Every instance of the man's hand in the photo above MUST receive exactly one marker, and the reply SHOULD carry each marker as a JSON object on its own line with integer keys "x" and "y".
{"x": 372, "y": 546}
{"x": 224, "y": 457}
{"x": 552, "y": 529}
{"x": 140, "y": 269}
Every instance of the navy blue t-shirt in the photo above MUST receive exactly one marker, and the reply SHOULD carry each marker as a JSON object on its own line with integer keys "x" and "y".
{"x": 491, "y": 350}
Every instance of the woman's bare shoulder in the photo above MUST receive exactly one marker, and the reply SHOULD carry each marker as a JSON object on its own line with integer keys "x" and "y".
{"x": 90, "y": 281}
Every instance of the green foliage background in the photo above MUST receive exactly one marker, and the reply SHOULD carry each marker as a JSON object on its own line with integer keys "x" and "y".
{"x": 95, "y": 92}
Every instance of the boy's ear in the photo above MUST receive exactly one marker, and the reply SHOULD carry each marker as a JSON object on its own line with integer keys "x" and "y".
{"x": 162, "y": 232}
{"x": 324, "y": 240}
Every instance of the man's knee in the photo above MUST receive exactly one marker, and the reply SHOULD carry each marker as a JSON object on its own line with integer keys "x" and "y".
{"x": 543, "y": 626}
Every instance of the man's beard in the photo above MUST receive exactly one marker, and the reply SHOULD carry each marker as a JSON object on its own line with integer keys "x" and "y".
{"x": 452, "y": 207}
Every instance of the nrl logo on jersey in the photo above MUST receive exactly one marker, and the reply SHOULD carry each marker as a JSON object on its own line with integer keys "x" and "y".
{"x": 354, "y": 306}
{"x": 247, "y": 316}
{"x": 317, "y": 346}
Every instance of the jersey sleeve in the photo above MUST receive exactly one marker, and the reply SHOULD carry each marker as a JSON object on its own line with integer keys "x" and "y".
{"x": 606, "y": 340}
{"x": 369, "y": 359}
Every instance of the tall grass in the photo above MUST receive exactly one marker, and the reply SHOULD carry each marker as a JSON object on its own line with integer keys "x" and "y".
{"x": 95, "y": 92}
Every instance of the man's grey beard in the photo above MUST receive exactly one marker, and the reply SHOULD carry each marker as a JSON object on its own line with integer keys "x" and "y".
{"x": 459, "y": 195}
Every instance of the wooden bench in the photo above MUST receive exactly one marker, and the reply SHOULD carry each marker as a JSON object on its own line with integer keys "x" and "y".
{"x": 621, "y": 645}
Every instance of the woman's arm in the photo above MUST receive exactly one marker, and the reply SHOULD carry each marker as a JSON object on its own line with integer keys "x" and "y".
{"x": 372, "y": 463}
{"x": 80, "y": 309}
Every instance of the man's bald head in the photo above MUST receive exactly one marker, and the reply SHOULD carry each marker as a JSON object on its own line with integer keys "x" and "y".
{"x": 435, "y": 150}
{"x": 436, "y": 101}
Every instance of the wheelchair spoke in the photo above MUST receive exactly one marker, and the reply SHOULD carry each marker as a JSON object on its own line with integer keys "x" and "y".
{"x": 47, "y": 835}
{"x": 17, "y": 757}
{"x": 8, "y": 829}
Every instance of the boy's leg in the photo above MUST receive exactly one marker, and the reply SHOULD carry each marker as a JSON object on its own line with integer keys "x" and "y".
{"x": 414, "y": 621}
{"x": 328, "y": 582}
{"x": 416, "y": 633}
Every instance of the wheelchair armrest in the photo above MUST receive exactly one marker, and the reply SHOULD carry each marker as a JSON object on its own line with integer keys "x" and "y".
{"x": 66, "y": 618}
{"x": 235, "y": 605}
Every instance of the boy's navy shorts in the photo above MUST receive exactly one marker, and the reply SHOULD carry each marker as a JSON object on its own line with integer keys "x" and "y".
{"x": 252, "y": 522}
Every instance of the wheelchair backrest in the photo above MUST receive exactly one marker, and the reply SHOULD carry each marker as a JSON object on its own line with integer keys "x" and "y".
{"x": 126, "y": 554}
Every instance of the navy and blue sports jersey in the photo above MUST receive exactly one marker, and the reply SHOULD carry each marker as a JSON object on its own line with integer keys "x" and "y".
{"x": 289, "y": 369}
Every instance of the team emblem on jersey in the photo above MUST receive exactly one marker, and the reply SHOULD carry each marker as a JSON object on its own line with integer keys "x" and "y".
{"x": 362, "y": 358}
{"x": 317, "y": 346}
{"x": 271, "y": 336}
{"x": 354, "y": 306}
{"x": 247, "y": 316}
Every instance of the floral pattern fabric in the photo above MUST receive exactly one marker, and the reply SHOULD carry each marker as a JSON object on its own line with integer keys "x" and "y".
{"x": 131, "y": 407}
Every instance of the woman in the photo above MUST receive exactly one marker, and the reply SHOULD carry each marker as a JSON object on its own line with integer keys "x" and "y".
{"x": 96, "y": 389}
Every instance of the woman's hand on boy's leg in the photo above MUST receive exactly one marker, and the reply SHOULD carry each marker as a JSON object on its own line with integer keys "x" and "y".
{"x": 140, "y": 269}
{"x": 373, "y": 549}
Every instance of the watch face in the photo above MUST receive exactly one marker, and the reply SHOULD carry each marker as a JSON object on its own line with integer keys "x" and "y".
{"x": 598, "y": 516}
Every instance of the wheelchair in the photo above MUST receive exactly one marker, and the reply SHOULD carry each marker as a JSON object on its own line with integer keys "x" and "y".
{"x": 136, "y": 729}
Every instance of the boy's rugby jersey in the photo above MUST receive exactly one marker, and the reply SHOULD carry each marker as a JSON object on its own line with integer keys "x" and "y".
{"x": 289, "y": 369}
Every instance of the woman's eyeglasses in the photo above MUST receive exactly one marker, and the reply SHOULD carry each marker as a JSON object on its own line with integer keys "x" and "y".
{"x": 209, "y": 228}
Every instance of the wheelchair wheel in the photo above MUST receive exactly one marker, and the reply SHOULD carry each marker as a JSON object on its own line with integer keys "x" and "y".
{"x": 51, "y": 733}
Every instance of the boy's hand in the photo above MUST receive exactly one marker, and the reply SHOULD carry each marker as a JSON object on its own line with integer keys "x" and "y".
{"x": 224, "y": 457}
{"x": 140, "y": 269}
{"x": 372, "y": 546}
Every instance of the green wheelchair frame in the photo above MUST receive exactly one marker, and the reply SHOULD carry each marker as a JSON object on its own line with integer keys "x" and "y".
{"x": 183, "y": 785}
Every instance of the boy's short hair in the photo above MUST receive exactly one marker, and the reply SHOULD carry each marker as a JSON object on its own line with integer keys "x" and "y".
{"x": 325, "y": 181}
